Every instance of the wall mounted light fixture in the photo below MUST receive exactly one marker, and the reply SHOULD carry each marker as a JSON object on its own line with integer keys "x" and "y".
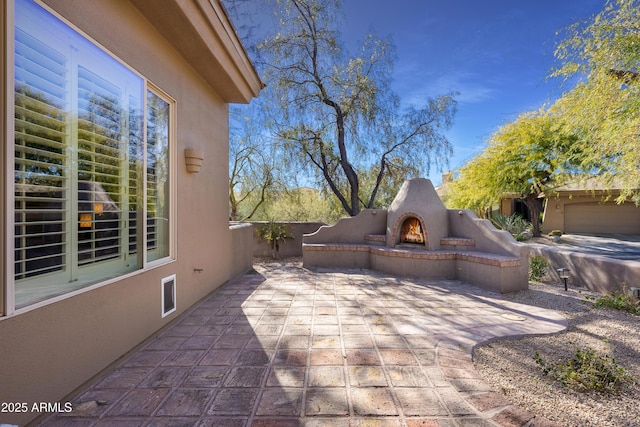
{"x": 193, "y": 159}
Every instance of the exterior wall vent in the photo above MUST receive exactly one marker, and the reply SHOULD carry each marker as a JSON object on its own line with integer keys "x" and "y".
{"x": 168, "y": 295}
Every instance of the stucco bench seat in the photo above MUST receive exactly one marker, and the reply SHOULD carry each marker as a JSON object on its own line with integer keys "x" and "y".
{"x": 336, "y": 247}
{"x": 376, "y": 239}
{"x": 457, "y": 243}
{"x": 443, "y": 264}
{"x": 413, "y": 253}
{"x": 345, "y": 255}
{"x": 489, "y": 258}
{"x": 472, "y": 256}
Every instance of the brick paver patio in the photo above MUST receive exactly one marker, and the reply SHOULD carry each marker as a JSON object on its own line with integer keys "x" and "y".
{"x": 292, "y": 347}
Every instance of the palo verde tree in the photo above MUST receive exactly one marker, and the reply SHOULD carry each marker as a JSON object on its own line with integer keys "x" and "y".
{"x": 528, "y": 156}
{"x": 604, "y": 107}
{"x": 337, "y": 113}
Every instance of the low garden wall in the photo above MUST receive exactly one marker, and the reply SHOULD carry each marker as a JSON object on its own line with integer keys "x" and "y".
{"x": 242, "y": 248}
{"x": 593, "y": 272}
{"x": 292, "y": 247}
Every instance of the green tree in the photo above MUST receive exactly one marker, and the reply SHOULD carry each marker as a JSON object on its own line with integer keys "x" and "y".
{"x": 604, "y": 107}
{"x": 527, "y": 156}
{"x": 389, "y": 185}
{"x": 302, "y": 204}
{"x": 337, "y": 114}
{"x": 254, "y": 168}
{"x": 472, "y": 187}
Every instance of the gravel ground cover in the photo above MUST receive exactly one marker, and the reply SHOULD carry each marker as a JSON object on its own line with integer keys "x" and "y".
{"x": 509, "y": 365}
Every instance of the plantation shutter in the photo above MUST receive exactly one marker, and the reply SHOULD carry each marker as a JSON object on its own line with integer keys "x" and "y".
{"x": 41, "y": 183}
{"x": 157, "y": 177}
{"x": 136, "y": 157}
{"x": 101, "y": 169}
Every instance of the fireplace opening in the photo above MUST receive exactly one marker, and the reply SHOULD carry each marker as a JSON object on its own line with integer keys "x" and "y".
{"x": 411, "y": 231}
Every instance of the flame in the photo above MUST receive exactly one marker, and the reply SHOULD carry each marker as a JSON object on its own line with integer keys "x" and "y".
{"x": 411, "y": 231}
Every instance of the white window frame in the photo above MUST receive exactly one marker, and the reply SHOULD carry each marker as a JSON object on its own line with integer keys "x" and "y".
{"x": 7, "y": 13}
{"x": 7, "y": 61}
{"x": 173, "y": 165}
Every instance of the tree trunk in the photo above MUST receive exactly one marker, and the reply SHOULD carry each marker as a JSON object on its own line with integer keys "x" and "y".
{"x": 349, "y": 172}
{"x": 534, "y": 210}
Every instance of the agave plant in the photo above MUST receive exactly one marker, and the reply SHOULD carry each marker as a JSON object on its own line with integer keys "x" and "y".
{"x": 514, "y": 224}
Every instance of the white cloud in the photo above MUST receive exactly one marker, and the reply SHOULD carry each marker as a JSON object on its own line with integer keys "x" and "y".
{"x": 469, "y": 89}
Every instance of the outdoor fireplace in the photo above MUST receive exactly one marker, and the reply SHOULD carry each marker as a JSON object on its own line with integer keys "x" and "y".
{"x": 418, "y": 236}
{"x": 411, "y": 231}
{"x": 416, "y": 219}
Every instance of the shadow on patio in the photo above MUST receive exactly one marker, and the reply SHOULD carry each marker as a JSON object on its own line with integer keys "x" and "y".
{"x": 286, "y": 346}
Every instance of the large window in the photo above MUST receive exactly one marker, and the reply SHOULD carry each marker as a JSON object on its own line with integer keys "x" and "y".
{"x": 92, "y": 162}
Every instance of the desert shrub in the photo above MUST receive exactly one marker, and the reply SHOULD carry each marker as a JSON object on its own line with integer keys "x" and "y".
{"x": 617, "y": 301}
{"x": 514, "y": 224}
{"x": 537, "y": 267}
{"x": 274, "y": 233}
{"x": 587, "y": 370}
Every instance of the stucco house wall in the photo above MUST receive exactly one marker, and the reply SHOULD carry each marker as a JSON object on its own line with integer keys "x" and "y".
{"x": 190, "y": 51}
{"x": 586, "y": 212}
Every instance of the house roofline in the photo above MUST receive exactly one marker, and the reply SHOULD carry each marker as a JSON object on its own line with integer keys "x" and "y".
{"x": 201, "y": 31}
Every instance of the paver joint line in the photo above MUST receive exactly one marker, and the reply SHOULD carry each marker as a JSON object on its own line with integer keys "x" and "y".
{"x": 289, "y": 346}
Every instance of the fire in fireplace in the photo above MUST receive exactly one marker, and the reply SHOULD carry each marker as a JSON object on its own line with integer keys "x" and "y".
{"x": 411, "y": 231}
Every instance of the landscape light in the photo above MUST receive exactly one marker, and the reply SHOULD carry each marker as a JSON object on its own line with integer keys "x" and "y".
{"x": 564, "y": 274}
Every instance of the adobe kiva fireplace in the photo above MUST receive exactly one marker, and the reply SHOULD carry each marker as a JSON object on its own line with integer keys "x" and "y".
{"x": 416, "y": 217}
{"x": 418, "y": 236}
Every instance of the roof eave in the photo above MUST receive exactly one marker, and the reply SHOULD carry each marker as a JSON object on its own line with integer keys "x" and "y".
{"x": 201, "y": 31}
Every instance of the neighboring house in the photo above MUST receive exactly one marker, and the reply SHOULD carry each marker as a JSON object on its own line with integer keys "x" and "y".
{"x": 590, "y": 207}
{"x": 107, "y": 234}
{"x": 586, "y": 206}
{"x": 511, "y": 204}
{"x": 580, "y": 207}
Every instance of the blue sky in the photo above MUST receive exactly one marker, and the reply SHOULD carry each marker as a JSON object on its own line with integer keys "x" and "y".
{"x": 496, "y": 53}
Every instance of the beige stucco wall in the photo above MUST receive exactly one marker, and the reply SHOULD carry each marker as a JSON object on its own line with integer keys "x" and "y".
{"x": 351, "y": 229}
{"x": 506, "y": 207}
{"x": 49, "y": 351}
{"x": 242, "y": 247}
{"x": 292, "y": 247}
{"x": 408, "y": 267}
{"x": 464, "y": 223}
{"x": 489, "y": 239}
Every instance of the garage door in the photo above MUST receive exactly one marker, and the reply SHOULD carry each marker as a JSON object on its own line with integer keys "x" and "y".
{"x": 605, "y": 218}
